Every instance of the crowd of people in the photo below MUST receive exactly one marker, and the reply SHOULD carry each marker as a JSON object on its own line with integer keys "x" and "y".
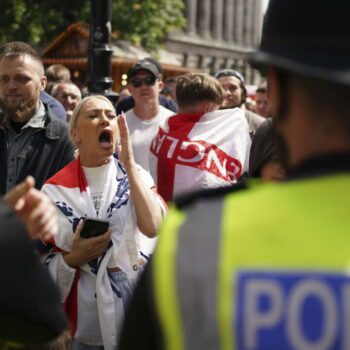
{"x": 252, "y": 253}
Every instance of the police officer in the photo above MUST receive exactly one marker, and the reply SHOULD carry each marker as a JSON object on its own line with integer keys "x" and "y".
{"x": 225, "y": 276}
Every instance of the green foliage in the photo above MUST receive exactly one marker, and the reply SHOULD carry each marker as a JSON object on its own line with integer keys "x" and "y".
{"x": 147, "y": 22}
{"x": 38, "y": 22}
{"x": 143, "y": 22}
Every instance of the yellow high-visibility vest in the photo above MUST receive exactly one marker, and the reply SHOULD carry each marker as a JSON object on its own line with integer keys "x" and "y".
{"x": 265, "y": 268}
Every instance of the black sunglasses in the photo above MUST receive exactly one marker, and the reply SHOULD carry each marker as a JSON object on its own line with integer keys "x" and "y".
{"x": 137, "y": 82}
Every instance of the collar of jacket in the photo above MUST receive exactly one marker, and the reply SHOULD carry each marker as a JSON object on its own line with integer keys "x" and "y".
{"x": 52, "y": 123}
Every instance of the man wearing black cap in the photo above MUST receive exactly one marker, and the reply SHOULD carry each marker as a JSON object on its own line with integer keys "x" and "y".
{"x": 144, "y": 83}
{"x": 126, "y": 104}
{"x": 236, "y": 95}
{"x": 222, "y": 279}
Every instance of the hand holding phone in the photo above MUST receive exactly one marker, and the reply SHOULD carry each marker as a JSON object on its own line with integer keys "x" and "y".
{"x": 93, "y": 227}
{"x": 84, "y": 250}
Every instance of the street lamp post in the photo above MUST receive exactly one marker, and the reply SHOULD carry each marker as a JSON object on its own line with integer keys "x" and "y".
{"x": 100, "y": 51}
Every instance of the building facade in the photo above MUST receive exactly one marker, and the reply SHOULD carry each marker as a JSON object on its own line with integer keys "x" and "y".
{"x": 219, "y": 34}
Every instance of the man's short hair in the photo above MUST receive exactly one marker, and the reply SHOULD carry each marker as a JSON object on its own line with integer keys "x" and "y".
{"x": 196, "y": 87}
{"x": 59, "y": 84}
{"x": 15, "y": 49}
{"x": 262, "y": 89}
{"x": 57, "y": 73}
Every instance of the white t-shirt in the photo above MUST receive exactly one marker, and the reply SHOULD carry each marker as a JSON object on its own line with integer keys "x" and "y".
{"x": 96, "y": 178}
{"x": 142, "y": 133}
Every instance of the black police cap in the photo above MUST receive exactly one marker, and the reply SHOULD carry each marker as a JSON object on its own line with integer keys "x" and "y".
{"x": 310, "y": 37}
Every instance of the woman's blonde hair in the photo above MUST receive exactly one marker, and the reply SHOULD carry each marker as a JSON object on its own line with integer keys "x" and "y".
{"x": 77, "y": 110}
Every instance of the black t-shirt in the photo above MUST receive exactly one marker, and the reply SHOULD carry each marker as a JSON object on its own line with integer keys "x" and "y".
{"x": 17, "y": 126}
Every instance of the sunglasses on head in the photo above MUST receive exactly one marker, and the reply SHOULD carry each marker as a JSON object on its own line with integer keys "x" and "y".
{"x": 137, "y": 82}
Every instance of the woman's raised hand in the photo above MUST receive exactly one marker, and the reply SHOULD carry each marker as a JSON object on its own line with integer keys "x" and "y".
{"x": 125, "y": 152}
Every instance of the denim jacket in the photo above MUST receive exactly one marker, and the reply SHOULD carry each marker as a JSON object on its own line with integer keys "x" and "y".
{"x": 49, "y": 150}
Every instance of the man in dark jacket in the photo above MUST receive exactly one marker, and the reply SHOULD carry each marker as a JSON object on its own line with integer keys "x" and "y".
{"x": 33, "y": 141}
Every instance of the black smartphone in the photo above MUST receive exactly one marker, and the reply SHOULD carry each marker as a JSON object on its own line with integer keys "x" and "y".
{"x": 93, "y": 227}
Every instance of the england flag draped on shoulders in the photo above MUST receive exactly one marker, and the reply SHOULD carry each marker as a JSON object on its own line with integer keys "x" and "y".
{"x": 88, "y": 291}
{"x": 198, "y": 151}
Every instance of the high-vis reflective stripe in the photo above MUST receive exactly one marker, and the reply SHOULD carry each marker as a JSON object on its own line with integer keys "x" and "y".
{"x": 166, "y": 299}
{"x": 225, "y": 302}
{"x": 194, "y": 266}
{"x": 181, "y": 319}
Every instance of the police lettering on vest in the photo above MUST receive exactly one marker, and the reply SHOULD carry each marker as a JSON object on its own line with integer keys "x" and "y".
{"x": 292, "y": 310}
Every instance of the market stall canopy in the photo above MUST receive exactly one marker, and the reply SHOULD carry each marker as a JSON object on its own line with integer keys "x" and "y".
{"x": 70, "y": 48}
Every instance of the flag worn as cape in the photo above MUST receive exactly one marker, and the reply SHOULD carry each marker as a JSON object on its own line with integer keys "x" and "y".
{"x": 198, "y": 151}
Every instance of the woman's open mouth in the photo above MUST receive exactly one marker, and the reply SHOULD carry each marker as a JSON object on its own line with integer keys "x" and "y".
{"x": 105, "y": 139}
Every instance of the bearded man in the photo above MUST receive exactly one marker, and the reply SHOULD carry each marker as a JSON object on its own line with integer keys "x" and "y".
{"x": 33, "y": 141}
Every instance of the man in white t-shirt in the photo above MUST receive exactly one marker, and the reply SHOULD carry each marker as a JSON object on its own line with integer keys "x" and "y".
{"x": 145, "y": 84}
